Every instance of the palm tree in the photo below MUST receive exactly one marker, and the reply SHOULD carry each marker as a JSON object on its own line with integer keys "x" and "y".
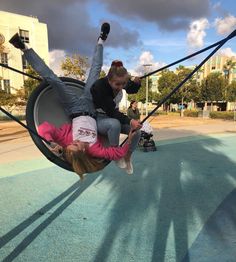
{"x": 228, "y": 67}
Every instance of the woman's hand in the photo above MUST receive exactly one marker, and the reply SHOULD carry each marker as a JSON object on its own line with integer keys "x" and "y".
{"x": 135, "y": 124}
{"x": 137, "y": 80}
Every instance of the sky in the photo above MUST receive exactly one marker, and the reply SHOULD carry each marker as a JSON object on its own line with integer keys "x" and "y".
{"x": 154, "y": 32}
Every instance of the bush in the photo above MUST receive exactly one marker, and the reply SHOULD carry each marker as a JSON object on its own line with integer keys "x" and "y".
{"x": 6, "y": 118}
{"x": 222, "y": 115}
{"x": 191, "y": 113}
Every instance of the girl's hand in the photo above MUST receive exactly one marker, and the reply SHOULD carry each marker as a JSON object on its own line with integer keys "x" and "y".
{"x": 55, "y": 148}
{"x": 130, "y": 136}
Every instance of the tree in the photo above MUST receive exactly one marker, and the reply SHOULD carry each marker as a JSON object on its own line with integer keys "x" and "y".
{"x": 75, "y": 66}
{"x": 156, "y": 96}
{"x": 1, "y": 48}
{"x": 7, "y": 100}
{"x": 166, "y": 83}
{"x": 212, "y": 88}
{"x": 190, "y": 91}
{"x": 29, "y": 85}
{"x": 141, "y": 95}
{"x": 228, "y": 67}
{"x": 231, "y": 94}
{"x": 102, "y": 74}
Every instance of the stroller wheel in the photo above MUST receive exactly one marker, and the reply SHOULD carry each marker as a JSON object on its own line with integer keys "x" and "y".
{"x": 149, "y": 146}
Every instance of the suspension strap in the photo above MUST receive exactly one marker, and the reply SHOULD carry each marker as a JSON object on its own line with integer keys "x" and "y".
{"x": 25, "y": 126}
{"x": 20, "y": 72}
{"x": 13, "y": 117}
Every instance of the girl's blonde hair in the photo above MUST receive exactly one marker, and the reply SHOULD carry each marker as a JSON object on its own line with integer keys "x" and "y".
{"x": 82, "y": 163}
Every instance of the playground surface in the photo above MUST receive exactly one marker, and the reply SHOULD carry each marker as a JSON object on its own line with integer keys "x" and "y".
{"x": 179, "y": 205}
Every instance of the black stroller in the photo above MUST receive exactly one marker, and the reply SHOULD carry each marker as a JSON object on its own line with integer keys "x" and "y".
{"x": 146, "y": 143}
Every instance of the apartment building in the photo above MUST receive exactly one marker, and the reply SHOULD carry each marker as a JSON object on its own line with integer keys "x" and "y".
{"x": 217, "y": 64}
{"x": 33, "y": 33}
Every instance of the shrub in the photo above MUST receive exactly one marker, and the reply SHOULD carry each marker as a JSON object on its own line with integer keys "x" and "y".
{"x": 222, "y": 115}
{"x": 6, "y": 118}
{"x": 191, "y": 113}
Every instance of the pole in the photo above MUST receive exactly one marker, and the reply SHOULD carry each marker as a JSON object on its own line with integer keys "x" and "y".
{"x": 234, "y": 111}
{"x": 146, "y": 96}
{"x": 146, "y": 73}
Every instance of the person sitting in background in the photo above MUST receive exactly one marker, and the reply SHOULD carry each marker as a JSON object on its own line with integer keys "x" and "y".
{"x": 133, "y": 111}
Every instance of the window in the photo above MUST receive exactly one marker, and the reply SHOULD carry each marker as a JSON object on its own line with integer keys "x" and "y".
{"x": 25, "y": 64}
{"x": 24, "y": 35}
{"x": 4, "y": 58}
{"x": 213, "y": 68}
{"x": 6, "y": 86}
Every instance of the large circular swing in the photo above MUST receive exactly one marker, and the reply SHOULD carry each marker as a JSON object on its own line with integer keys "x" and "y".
{"x": 44, "y": 105}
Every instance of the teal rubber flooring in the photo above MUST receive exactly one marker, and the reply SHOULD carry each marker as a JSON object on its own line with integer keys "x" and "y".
{"x": 179, "y": 205}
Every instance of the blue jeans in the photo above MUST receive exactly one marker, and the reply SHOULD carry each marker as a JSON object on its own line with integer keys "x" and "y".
{"x": 70, "y": 100}
{"x": 111, "y": 127}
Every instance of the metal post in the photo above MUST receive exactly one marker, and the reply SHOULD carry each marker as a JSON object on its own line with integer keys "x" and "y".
{"x": 146, "y": 111}
{"x": 146, "y": 96}
{"x": 234, "y": 111}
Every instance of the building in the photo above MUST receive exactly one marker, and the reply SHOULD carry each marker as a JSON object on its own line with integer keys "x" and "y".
{"x": 154, "y": 82}
{"x": 217, "y": 64}
{"x": 33, "y": 33}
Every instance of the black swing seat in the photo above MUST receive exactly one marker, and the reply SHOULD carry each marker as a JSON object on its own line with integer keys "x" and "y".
{"x": 44, "y": 105}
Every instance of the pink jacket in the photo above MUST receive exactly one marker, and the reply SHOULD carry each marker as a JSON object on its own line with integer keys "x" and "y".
{"x": 63, "y": 137}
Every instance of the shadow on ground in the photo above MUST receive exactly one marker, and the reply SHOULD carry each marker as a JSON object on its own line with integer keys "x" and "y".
{"x": 154, "y": 215}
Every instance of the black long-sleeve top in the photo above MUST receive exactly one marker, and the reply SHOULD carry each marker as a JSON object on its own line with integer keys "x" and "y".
{"x": 103, "y": 96}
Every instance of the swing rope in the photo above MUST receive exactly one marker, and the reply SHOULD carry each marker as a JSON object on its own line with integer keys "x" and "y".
{"x": 21, "y": 72}
{"x": 25, "y": 126}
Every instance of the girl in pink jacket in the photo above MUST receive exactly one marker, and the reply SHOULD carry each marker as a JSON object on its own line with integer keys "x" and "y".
{"x": 62, "y": 136}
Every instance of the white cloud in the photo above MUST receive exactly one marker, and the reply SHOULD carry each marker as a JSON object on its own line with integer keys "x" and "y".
{"x": 55, "y": 58}
{"x": 217, "y": 5}
{"x": 146, "y": 63}
{"x": 225, "y": 25}
{"x": 165, "y": 42}
{"x": 196, "y": 34}
{"x": 227, "y": 52}
{"x": 106, "y": 68}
